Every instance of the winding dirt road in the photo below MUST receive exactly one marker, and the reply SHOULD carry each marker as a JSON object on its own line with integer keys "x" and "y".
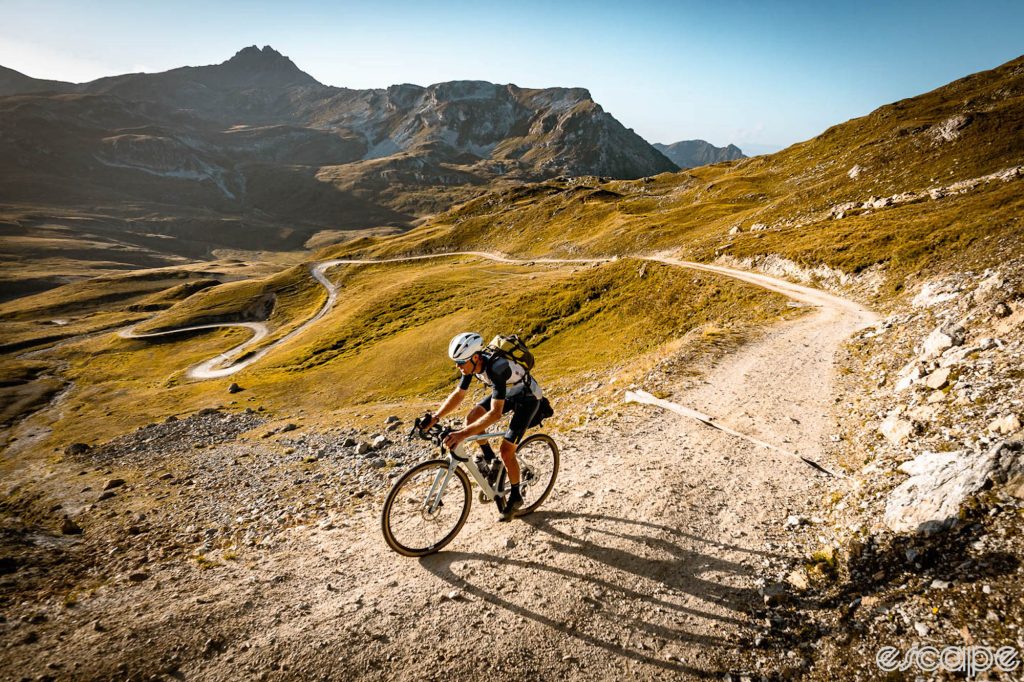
{"x": 641, "y": 565}
{"x": 222, "y": 365}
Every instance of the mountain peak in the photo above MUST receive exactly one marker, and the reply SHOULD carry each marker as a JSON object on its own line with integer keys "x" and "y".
{"x": 255, "y": 54}
{"x": 268, "y": 65}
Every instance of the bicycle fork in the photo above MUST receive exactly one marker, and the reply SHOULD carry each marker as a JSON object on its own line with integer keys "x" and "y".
{"x": 433, "y": 501}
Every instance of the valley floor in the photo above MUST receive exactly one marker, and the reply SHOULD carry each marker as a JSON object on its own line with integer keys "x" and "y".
{"x": 645, "y": 562}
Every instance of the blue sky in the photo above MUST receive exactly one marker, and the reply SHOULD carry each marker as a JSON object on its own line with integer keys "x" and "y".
{"x": 750, "y": 73}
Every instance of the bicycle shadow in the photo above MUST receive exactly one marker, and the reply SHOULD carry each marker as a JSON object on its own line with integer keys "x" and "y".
{"x": 674, "y": 571}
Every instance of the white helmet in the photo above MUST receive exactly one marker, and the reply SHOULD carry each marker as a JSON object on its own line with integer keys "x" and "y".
{"x": 464, "y": 346}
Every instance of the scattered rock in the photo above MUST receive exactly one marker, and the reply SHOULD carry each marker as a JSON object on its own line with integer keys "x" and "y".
{"x": 363, "y": 448}
{"x": 288, "y": 427}
{"x": 794, "y": 521}
{"x": 949, "y": 129}
{"x": 774, "y": 594}
{"x": 912, "y": 376}
{"x": 938, "y": 379}
{"x": 854, "y": 172}
{"x": 378, "y": 463}
{"x": 234, "y": 388}
{"x": 379, "y": 442}
{"x": 69, "y": 527}
{"x": 1001, "y": 310}
{"x": 113, "y": 483}
{"x": 77, "y": 449}
{"x": 942, "y": 339}
{"x": 349, "y": 442}
{"x": 896, "y": 430}
{"x": 758, "y": 227}
{"x": 798, "y": 579}
{"x": 392, "y": 419}
{"x": 934, "y": 293}
{"x": 1006, "y": 424}
{"x": 138, "y": 576}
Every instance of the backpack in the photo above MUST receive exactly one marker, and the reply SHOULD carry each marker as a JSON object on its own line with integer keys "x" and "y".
{"x": 512, "y": 348}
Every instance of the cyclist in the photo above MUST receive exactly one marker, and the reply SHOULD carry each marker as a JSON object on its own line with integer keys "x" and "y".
{"x": 512, "y": 389}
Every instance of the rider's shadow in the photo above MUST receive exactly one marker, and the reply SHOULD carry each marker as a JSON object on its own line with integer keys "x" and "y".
{"x": 674, "y": 570}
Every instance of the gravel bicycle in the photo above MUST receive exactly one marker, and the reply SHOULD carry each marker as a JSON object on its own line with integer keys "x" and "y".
{"x": 429, "y": 503}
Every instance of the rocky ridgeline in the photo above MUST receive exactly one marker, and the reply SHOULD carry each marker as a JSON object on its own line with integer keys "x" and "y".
{"x": 840, "y": 211}
{"x": 871, "y": 204}
{"x": 922, "y": 543}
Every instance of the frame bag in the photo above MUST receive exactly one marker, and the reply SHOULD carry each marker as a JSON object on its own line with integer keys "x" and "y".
{"x": 544, "y": 410}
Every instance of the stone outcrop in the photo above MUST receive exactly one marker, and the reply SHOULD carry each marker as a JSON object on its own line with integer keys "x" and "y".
{"x": 929, "y": 501}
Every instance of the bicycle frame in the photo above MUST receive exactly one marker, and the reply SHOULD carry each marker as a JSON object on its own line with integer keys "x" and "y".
{"x": 455, "y": 458}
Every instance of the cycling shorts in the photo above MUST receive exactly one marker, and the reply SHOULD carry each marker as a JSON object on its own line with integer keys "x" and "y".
{"x": 523, "y": 407}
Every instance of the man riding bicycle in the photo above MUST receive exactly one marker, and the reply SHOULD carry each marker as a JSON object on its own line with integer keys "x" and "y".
{"x": 512, "y": 389}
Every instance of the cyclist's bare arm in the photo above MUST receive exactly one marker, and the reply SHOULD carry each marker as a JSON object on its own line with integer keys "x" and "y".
{"x": 450, "y": 403}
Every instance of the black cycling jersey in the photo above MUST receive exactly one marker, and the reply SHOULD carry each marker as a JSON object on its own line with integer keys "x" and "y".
{"x": 506, "y": 379}
{"x": 497, "y": 372}
{"x": 522, "y": 396}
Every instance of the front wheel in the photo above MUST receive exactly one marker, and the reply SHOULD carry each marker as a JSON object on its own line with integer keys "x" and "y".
{"x": 538, "y": 468}
{"x": 426, "y": 508}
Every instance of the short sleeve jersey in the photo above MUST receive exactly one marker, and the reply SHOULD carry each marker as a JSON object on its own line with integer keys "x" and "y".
{"x": 496, "y": 374}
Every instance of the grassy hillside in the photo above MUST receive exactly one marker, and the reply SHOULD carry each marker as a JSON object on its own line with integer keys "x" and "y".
{"x": 967, "y": 129}
{"x": 382, "y": 348}
{"x": 912, "y": 189}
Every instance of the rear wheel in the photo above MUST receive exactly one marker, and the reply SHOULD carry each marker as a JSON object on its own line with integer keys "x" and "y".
{"x": 420, "y": 516}
{"x": 538, "y": 468}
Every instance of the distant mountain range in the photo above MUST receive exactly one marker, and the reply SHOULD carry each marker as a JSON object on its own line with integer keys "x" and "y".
{"x": 693, "y": 153}
{"x": 257, "y": 140}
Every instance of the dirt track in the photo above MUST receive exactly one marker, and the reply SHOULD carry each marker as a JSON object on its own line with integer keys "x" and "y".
{"x": 642, "y": 563}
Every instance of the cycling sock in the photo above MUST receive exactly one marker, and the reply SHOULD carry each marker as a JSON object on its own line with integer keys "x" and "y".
{"x": 515, "y": 494}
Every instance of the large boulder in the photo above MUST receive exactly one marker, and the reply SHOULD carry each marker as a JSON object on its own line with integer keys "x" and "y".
{"x": 941, "y": 340}
{"x": 929, "y": 501}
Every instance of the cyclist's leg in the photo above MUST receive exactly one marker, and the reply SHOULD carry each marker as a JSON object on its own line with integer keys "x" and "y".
{"x": 478, "y": 411}
{"x": 523, "y": 412}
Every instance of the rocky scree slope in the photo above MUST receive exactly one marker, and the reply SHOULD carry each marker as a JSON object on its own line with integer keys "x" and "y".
{"x": 922, "y": 543}
{"x": 161, "y": 518}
